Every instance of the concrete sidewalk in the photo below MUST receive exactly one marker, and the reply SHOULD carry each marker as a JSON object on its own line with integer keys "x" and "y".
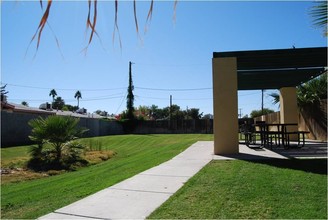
{"x": 138, "y": 196}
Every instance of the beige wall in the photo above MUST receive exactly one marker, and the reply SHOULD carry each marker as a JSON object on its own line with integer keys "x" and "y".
{"x": 225, "y": 103}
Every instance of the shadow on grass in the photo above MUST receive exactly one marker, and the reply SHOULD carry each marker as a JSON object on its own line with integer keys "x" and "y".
{"x": 317, "y": 166}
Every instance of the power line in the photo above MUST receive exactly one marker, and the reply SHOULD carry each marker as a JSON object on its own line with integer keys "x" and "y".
{"x": 179, "y": 99}
{"x": 123, "y": 97}
{"x": 105, "y": 89}
{"x": 67, "y": 100}
{"x": 173, "y": 65}
{"x": 172, "y": 90}
{"x": 64, "y": 89}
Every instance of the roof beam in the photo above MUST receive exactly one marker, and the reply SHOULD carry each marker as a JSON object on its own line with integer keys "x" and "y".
{"x": 278, "y": 59}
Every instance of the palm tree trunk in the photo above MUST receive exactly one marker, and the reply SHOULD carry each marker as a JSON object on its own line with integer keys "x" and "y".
{"x": 58, "y": 154}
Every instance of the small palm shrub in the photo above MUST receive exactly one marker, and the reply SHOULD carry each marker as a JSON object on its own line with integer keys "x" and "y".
{"x": 56, "y": 148}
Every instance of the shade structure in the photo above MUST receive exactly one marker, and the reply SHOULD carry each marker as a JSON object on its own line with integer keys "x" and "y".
{"x": 282, "y": 69}
{"x": 275, "y": 69}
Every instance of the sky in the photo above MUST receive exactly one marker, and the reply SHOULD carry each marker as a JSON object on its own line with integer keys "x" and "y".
{"x": 173, "y": 57}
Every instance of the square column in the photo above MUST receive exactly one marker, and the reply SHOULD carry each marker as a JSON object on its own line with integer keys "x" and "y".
{"x": 288, "y": 108}
{"x": 225, "y": 104}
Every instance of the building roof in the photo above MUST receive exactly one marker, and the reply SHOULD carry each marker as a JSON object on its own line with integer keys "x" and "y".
{"x": 7, "y": 106}
{"x": 26, "y": 109}
{"x": 274, "y": 69}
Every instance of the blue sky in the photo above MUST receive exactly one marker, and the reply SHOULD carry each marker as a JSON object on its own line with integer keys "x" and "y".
{"x": 170, "y": 56}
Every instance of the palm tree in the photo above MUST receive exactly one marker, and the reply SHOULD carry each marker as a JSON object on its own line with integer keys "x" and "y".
{"x": 58, "y": 103}
{"x": 53, "y": 93}
{"x": 78, "y": 96}
{"x": 58, "y": 131}
{"x": 319, "y": 15}
{"x": 310, "y": 92}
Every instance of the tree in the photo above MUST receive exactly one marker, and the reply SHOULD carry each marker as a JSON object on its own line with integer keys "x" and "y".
{"x": 78, "y": 96}
{"x": 143, "y": 112}
{"x": 319, "y": 15}
{"x": 101, "y": 113}
{"x": 310, "y": 92}
{"x": 53, "y": 93}
{"x": 3, "y": 92}
{"x": 71, "y": 108}
{"x": 58, "y": 103}
{"x": 158, "y": 113}
{"x": 193, "y": 113}
{"x": 257, "y": 113}
{"x": 58, "y": 132}
{"x": 176, "y": 113}
{"x": 208, "y": 116}
{"x": 25, "y": 103}
{"x": 130, "y": 96}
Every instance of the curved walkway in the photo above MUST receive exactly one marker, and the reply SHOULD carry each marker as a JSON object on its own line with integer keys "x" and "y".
{"x": 138, "y": 196}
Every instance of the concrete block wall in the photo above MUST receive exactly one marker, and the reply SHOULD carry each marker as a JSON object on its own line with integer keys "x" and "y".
{"x": 15, "y": 129}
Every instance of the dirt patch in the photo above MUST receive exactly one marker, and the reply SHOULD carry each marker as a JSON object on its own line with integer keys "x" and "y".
{"x": 14, "y": 174}
{"x": 94, "y": 157}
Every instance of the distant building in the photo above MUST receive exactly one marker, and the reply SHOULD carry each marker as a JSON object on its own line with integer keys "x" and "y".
{"x": 13, "y": 107}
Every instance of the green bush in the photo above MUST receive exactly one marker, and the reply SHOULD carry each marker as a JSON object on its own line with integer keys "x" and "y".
{"x": 56, "y": 148}
{"x": 129, "y": 125}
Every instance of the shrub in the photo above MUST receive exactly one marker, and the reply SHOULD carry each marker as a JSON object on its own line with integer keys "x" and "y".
{"x": 57, "y": 133}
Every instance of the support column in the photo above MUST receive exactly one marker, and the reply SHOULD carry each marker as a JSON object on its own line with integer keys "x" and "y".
{"x": 225, "y": 104}
{"x": 288, "y": 108}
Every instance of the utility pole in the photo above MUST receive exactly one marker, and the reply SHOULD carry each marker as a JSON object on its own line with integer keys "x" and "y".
{"x": 170, "y": 107}
{"x": 130, "y": 96}
{"x": 170, "y": 121}
{"x": 240, "y": 113}
{"x": 262, "y": 101}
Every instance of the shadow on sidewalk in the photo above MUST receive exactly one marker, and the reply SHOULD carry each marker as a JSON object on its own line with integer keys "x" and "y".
{"x": 310, "y": 158}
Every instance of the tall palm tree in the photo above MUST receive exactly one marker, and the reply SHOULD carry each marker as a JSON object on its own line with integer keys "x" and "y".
{"x": 53, "y": 93}
{"x": 78, "y": 96}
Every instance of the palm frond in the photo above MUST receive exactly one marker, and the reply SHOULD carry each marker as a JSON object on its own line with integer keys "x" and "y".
{"x": 150, "y": 15}
{"x": 319, "y": 15}
{"x": 116, "y": 25}
{"x": 276, "y": 98}
{"x": 135, "y": 15}
{"x": 175, "y": 10}
{"x": 92, "y": 21}
{"x": 42, "y": 23}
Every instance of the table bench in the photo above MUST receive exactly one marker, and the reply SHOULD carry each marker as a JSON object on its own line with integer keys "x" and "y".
{"x": 300, "y": 135}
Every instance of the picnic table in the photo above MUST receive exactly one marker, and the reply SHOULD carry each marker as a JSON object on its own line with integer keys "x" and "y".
{"x": 280, "y": 134}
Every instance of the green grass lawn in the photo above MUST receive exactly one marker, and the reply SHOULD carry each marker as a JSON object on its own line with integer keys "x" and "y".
{"x": 14, "y": 155}
{"x": 135, "y": 153}
{"x": 267, "y": 189}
